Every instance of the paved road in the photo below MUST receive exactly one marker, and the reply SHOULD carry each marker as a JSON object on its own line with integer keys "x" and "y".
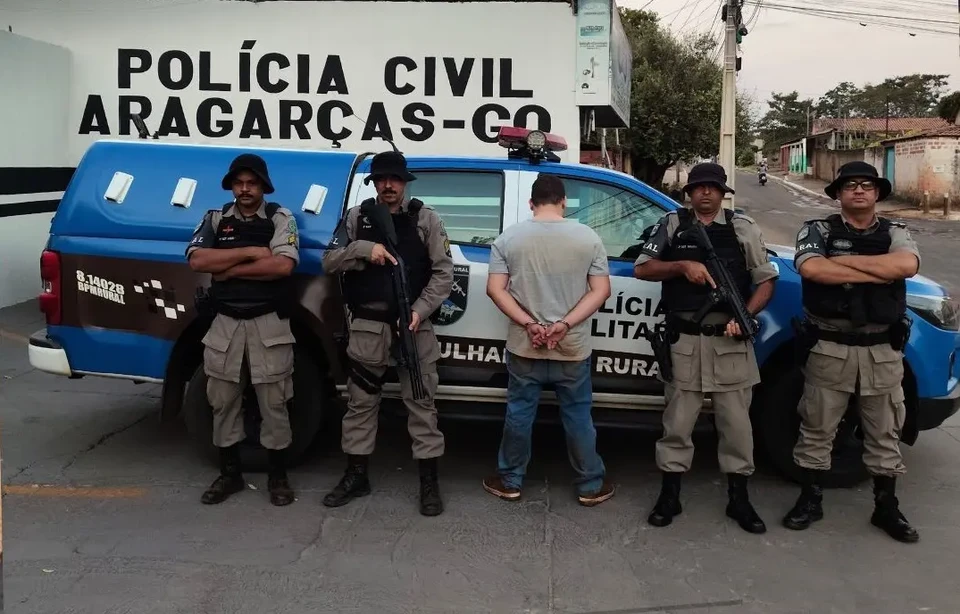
{"x": 782, "y": 210}
{"x": 102, "y": 516}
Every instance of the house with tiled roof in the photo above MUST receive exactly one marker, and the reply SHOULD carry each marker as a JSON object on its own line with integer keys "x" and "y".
{"x": 836, "y": 141}
{"x": 925, "y": 162}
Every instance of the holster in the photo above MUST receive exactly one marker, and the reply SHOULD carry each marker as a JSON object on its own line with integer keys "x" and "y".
{"x": 806, "y": 339}
{"x": 900, "y": 333}
{"x": 204, "y": 303}
{"x": 661, "y": 338}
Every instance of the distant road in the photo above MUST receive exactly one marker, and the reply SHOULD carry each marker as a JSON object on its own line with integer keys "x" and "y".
{"x": 781, "y": 211}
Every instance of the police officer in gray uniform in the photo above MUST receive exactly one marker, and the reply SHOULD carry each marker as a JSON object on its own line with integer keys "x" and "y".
{"x": 358, "y": 253}
{"x": 706, "y": 358}
{"x": 854, "y": 265}
{"x": 250, "y": 247}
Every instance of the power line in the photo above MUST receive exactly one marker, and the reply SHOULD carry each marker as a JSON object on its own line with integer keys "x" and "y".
{"x": 898, "y": 22}
{"x": 690, "y": 16}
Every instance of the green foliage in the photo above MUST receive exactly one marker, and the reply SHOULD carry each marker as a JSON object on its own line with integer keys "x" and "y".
{"x": 905, "y": 96}
{"x": 785, "y": 121}
{"x": 949, "y": 107}
{"x": 676, "y": 98}
{"x": 746, "y": 158}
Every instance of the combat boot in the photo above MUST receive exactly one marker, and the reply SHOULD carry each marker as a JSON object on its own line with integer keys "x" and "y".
{"x": 430, "y": 502}
{"x": 739, "y": 507}
{"x": 230, "y": 480}
{"x": 809, "y": 506}
{"x": 277, "y": 483}
{"x": 668, "y": 503}
{"x": 353, "y": 484}
{"x": 886, "y": 513}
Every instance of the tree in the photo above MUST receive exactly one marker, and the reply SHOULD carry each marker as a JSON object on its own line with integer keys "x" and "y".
{"x": 907, "y": 96}
{"x": 839, "y": 101}
{"x": 949, "y": 107}
{"x": 675, "y": 102}
{"x": 786, "y": 120}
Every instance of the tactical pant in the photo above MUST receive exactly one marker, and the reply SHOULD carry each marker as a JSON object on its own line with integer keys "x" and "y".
{"x": 833, "y": 372}
{"x": 732, "y": 414}
{"x": 727, "y": 370}
{"x": 369, "y": 345}
{"x": 259, "y": 351}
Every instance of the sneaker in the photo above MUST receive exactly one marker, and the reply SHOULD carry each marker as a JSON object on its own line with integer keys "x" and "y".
{"x": 495, "y": 486}
{"x": 596, "y": 497}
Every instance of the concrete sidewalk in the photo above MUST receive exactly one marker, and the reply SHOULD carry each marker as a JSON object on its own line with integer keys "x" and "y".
{"x": 890, "y": 207}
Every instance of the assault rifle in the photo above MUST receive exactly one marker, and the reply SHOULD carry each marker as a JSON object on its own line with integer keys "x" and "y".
{"x": 726, "y": 290}
{"x": 406, "y": 354}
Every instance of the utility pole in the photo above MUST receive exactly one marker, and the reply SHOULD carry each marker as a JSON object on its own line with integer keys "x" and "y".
{"x": 728, "y": 110}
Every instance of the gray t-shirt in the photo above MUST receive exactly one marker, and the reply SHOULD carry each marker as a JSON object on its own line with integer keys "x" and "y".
{"x": 548, "y": 262}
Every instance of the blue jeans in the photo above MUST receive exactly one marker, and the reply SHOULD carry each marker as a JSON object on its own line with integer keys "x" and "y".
{"x": 574, "y": 389}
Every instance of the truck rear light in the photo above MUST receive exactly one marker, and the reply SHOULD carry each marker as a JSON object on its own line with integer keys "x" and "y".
{"x": 51, "y": 297}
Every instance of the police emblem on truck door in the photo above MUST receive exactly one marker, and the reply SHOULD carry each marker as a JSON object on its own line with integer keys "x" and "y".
{"x": 453, "y": 308}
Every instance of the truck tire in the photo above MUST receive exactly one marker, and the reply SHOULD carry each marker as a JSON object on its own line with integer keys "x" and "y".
{"x": 777, "y": 426}
{"x": 306, "y": 410}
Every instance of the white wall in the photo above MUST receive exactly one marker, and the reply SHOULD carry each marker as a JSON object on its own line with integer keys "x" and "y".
{"x": 536, "y": 39}
{"x": 34, "y": 94}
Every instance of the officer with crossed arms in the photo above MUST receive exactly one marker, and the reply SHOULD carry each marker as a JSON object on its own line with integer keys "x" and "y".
{"x": 854, "y": 265}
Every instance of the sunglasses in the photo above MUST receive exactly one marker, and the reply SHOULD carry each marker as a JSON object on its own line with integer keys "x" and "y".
{"x": 851, "y": 185}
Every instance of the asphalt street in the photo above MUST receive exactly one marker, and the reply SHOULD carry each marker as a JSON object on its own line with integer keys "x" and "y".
{"x": 781, "y": 211}
{"x": 102, "y": 516}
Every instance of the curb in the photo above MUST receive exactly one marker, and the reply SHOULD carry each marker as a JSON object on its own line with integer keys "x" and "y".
{"x": 800, "y": 188}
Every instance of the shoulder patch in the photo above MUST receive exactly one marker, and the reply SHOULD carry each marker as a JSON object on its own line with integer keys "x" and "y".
{"x": 745, "y": 218}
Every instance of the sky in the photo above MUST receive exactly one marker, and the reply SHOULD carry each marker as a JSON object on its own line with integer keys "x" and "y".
{"x": 785, "y": 51}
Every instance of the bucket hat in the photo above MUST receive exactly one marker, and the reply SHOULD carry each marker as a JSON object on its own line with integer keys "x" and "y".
{"x": 858, "y": 169}
{"x": 389, "y": 164}
{"x": 249, "y": 162}
{"x": 707, "y": 172}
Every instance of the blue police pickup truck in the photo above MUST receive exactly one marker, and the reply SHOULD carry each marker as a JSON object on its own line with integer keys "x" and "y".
{"x": 118, "y": 295}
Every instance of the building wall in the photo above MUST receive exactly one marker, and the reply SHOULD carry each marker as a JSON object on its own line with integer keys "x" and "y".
{"x": 827, "y": 163}
{"x": 875, "y": 157}
{"x": 245, "y": 72}
{"x": 594, "y": 157}
{"x": 35, "y": 79}
{"x": 930, "y": 164}
{"x": 274, "y": 74}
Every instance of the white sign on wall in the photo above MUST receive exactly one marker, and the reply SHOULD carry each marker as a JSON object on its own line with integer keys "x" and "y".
{"x": 429, "y": 76}
{"x": 593, "y": 52}
{"x": 621, "y": 69}
{"x": 604, "y": 63}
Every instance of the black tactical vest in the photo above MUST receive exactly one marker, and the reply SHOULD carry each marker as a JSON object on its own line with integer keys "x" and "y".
{"x": 249, "y": 298}
{"x": 374, "y": 284}
{"x": 860, "y": 303}
{"x": 681, "y": 295}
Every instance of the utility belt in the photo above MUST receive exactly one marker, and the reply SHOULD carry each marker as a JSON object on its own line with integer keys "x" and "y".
{"x": 687, "y": 327}
{"x": 809, "y": 333}
{"x": 377, "y": 315}
{"x": 209, "y": 306}
{"x": 852, "y": 338}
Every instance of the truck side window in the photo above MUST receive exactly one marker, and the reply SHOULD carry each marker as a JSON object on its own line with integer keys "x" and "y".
{"x": 617, "y": 215}
{"x": 469, "y": 203}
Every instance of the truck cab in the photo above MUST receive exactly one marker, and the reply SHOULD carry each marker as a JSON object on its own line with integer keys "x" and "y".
{"x": 118, "y": 294}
